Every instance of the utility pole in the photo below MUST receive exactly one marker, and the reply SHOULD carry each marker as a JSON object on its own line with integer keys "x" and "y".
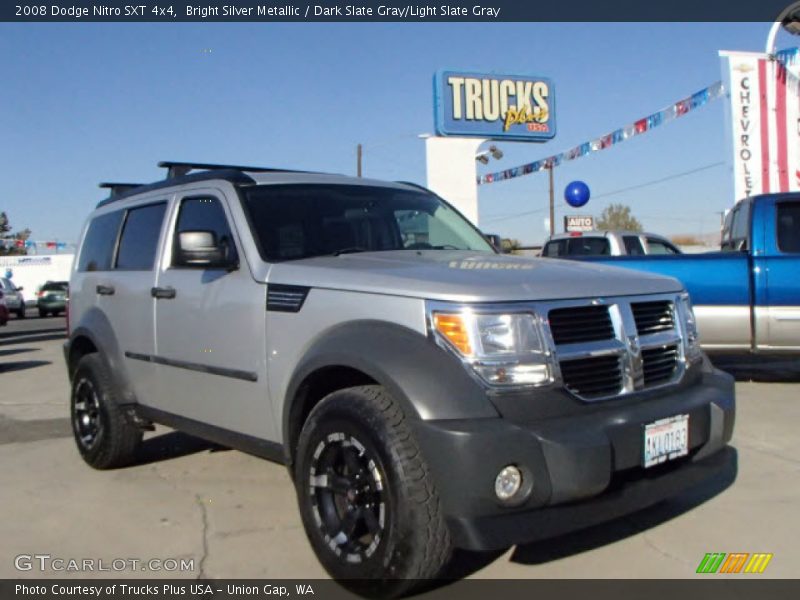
{"x": 552, "y": 202}
{"x": 359, "y": 155}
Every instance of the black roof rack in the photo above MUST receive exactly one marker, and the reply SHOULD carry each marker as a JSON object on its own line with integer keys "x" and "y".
{"x": 179, "y": 173}
{"x": 178, "y": 169}
{"x": 119, "y": 188}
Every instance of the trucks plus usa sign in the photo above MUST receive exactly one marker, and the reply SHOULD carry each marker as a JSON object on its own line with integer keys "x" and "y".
{"x": 518, "y": 107}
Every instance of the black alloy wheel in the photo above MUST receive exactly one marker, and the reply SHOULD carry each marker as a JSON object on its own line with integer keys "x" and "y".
{"x": 86, "y": 421}
{"x": 347, "y": 495}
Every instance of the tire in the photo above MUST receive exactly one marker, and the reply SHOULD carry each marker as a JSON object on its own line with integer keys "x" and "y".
{"x": 42, "y": 313}
{"x": 21, "y": 313}
{"x": 105, "y": 438}
{"x": 397, "y": 538}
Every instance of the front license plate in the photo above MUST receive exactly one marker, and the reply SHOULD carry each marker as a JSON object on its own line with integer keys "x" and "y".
{"x": 666, "y": 439}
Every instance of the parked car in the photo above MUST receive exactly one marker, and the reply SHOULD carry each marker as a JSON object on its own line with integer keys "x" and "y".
{"x": 52, "y": 298}
{"x": 747, "y": 296}
{"x": 15, "y": 302}
{"x": 425, "y": 392}
{"x": 607, "y": 243}
{"x": 4, "y": 314}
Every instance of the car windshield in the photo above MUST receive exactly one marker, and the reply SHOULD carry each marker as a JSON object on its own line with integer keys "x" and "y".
{"x": 297, "y": 221}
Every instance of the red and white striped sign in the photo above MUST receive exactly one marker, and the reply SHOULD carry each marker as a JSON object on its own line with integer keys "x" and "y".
{"x": 765, "y": 120}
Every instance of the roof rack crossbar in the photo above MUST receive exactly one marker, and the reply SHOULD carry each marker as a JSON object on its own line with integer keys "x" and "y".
{"x": 419, "y": 186}
{"x": 179, "y": 169}
{"x": 116, "y": 188}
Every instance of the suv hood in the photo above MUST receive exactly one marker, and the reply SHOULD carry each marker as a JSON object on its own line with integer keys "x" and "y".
{"x": 466, "y": 276}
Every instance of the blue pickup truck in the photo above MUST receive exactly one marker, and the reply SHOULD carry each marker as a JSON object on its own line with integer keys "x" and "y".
{"x": 746, "y": 296}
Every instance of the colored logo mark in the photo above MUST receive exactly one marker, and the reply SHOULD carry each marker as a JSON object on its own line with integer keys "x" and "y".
{"x": 735, "y": 562}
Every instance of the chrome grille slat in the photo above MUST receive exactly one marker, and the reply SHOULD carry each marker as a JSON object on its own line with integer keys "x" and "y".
{"x": 659, "y": 364}
{"x": 575, "y": 324}
{"x": 652, "y": 317}
{"x": 592, "y": 377}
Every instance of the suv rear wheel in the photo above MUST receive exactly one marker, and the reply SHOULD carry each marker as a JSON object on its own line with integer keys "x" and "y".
{"x": 368, "y": 503}
{"x": 105, "y": 438}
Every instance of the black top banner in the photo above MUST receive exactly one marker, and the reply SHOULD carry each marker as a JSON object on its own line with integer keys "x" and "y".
{"x": 587, "y": 11}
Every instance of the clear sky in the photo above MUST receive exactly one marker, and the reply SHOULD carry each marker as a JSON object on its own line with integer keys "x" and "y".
{"x": 83, "y": 103}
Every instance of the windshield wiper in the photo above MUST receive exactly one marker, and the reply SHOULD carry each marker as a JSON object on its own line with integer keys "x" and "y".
{"x": 350, "y": 250}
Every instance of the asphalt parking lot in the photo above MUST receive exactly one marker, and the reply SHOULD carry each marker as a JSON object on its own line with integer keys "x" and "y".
{"x": 234, "y": 515}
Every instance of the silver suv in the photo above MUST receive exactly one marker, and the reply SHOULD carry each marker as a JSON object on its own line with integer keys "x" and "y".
{"x": 425, "y": 392}
{"x": 607, "y": 243}
{"x": 15, "y": 301}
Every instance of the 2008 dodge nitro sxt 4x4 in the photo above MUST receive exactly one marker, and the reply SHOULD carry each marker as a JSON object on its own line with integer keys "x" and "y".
{"x": 425, "y": 392}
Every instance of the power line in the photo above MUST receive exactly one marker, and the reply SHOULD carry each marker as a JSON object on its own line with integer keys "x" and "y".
{"x": 662, "y": 180}
{"x": 619, "y": 191}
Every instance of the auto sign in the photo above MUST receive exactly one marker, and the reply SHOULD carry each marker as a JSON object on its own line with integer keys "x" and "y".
{"x": 512, "y": 107}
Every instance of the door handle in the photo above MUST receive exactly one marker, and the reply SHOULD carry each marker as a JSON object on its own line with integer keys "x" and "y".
{"x": 105, "y": 290}
{"x": 164, "y": 293}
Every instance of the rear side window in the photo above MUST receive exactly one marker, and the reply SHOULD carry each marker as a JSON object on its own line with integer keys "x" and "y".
{"x": 98, "y": 244}
{"x": 661, "y": 247}
{"x": 633, "y": 245}
{"x": 588, "y": 246}
{"x": 140, "y": 235}
{"x": 789, "y": 228}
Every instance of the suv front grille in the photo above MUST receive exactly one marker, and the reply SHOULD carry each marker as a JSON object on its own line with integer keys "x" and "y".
{"x": 611, "y": 348}
{"x": 659, "y": 364}
{"x": 580, "y": 324}
{"x": 593, "y": 377}
{"x": 652, "y": 317}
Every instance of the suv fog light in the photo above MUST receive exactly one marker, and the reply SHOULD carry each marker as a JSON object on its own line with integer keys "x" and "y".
{"x": 508, "y": 483}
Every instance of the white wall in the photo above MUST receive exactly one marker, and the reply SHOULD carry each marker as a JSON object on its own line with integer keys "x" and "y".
{"x": 31, "y": 272}
{"x": 451, "y": 172}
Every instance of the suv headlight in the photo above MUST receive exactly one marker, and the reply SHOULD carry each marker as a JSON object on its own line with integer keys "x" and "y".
{"x": 504, "y": 348}
{"x": 691, "y": 341}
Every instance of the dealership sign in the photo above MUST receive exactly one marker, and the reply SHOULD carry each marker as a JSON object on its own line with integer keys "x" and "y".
{"x": 511, "y": 107}
{"x": 765, "y": 119}
{"x": 578, "y": 223}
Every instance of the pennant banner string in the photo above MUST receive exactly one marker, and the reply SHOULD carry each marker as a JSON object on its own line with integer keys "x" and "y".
{"x": 678, "y": 109}
{"x": 17, "y": 243}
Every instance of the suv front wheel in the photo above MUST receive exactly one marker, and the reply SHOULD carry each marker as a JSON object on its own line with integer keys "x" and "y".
{"x": 105, "y": 438}
{"x": 368, "y": 503}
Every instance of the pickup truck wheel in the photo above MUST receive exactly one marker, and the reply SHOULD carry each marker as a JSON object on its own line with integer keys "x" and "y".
{"x": 42, "y": 313}
{"x": 104, "y": 437}
{"x": 368, "y": 504}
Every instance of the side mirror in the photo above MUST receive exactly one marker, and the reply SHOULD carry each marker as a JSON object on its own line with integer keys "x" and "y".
{"x": 496, "y": 241}
{"x": 200, "y": 249}
{"x": 19, "y": 289}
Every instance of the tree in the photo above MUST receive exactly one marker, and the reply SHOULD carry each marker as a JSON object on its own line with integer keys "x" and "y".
{"x": 9, "y": 244}
{"x": 618, "y": 216}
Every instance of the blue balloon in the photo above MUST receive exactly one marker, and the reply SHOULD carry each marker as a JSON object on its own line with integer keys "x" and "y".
{"x": 576, "y": 194}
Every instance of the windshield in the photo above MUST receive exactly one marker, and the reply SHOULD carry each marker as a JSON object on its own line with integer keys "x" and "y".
{"x": 297, "y": 221}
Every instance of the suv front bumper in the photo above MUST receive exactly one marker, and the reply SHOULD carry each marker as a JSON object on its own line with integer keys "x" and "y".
{"x": 585, "y": 469}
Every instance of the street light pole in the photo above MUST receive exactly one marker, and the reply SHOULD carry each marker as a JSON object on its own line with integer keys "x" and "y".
{"x": 359, "y": 154}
